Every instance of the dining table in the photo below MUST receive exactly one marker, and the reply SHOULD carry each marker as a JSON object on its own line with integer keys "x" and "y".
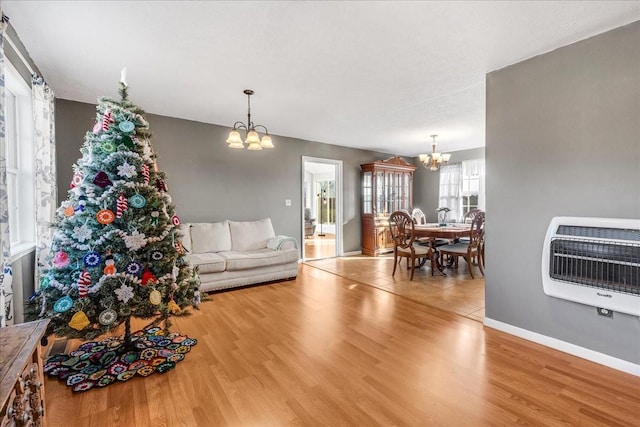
{"x": 451, "y": 232}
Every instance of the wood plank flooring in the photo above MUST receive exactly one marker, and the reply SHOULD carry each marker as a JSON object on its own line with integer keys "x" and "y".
{"x": 323, "y": 350}
{"x": 456, "y": 292}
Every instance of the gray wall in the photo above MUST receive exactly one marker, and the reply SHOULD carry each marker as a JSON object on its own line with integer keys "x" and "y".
{"x": 210, "y": 182}
{"x": 426, "y": 182}
{"x": 563, "y": 138}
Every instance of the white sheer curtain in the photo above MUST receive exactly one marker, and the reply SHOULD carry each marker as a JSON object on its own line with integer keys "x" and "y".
{"x": 45, "y": 169}
{"x": 449, "y": 197}
{"x": 6, "y": 275}
{"x": 471, "y": 168}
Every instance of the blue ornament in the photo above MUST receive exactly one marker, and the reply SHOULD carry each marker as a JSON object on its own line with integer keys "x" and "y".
{"x": 134, "y": 268}
{"x": 92, "y": 259}
{"x": 126, "y": 126}
{"x": 137, "y": 201}
{"x": 63, "y": 304}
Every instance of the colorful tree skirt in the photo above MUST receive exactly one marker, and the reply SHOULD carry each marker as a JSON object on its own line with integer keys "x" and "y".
{"x": 100, "y": 363}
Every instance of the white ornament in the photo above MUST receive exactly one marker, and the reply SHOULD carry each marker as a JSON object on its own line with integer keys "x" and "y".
{"x": 82, "y": 233}
{"x": 135, "y": 241}
{"x": 126, "y": 170}
{"x": 124, "y": 293}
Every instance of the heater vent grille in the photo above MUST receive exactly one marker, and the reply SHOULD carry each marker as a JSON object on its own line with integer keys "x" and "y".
{"x": 594, "y": 261}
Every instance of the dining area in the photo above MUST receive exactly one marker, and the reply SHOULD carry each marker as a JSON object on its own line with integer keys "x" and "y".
{"x": 437, "y": 246}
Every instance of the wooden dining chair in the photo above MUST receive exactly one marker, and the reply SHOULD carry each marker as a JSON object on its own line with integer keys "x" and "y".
{"x": 473, "y": 249}
{"x": 401, "y": 227}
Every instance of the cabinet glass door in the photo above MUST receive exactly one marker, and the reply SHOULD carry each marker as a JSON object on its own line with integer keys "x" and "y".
{"x": 367, "y": 192}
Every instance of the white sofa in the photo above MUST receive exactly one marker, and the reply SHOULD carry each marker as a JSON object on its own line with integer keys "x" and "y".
{"x": 231, "y": 254}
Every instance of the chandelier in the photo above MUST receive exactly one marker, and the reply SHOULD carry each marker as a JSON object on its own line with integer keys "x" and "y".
{"x": 433, "y": 161}
{"x": 252, "y": 139}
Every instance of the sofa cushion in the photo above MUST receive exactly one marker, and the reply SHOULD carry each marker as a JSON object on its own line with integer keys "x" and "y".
{"x": 185, "y": 229}
{"x": 250, "y": 235}
{"x": 243, "y": 260}
{"x": 210, "y": 237}
{"x": 207, "y": 263}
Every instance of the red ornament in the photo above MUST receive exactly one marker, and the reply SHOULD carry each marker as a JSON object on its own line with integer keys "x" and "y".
{"x": 84, "y": 281}
{"x": 161, "y": 185}
{"x": 107, "y": 120}
{"x": 76, "y": 180}
{"x": 175, "y": 220}
{"x": 145, "y": 173}
{"x": 102, "y": 180}
{"x": 121, "y": 205}
{"x": 148, "y": 278}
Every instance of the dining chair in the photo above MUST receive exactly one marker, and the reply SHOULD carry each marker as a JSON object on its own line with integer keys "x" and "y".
{"x": 468, "y": 219}
{"x": 401, "y": 227}
{"x": 473, "y": 249}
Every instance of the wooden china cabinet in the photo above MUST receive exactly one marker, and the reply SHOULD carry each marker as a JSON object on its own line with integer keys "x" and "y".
{"x": 387, "y": 186}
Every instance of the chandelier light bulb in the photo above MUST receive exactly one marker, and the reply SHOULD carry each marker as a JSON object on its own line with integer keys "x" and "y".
{"x": 252, "y": 139}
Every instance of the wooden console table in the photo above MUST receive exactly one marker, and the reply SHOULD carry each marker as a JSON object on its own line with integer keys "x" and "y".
{"x": 21, "y": 376}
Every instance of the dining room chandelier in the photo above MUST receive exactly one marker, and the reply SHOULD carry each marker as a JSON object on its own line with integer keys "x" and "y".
{"x": 434, "y": 160}
{"x": 252, "y": 138}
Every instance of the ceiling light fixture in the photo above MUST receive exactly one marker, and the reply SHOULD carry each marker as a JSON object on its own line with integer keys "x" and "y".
{"x": 252, "y": 139}
{"x": 433, "y": 161}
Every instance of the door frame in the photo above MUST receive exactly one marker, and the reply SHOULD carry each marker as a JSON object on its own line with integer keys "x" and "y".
{"x": 339, "y": 203}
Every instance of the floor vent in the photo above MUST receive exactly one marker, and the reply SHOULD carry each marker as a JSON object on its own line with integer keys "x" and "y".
{"x": 593, "y": 261}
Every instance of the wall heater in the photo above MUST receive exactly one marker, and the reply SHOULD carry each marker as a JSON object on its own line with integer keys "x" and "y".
{"x": 593, "y": 261}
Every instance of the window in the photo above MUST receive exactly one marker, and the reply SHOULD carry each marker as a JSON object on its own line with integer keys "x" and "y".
{"x": 19, "y": 160}
{"x": 462, "y": 188}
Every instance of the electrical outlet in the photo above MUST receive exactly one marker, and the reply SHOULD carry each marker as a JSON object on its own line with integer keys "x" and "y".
{"x": 605, "y": 312}
{"x": 287, "y": 202}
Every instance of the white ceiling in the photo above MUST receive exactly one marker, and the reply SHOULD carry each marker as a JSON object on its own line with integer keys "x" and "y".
{"x": 377, "y": 75}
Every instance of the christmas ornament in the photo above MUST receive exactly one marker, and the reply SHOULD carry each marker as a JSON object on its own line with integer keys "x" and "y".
{"x": 196, "y": 298}
{"x": 155, "y": 297}
{"x": 155, "y": 167}
{"x": 148, "y": 278}
{"x": 157, "y": 255}
{"x": 76, "y": 180}
{"x": 173, "y": 307}
{"x": 105, "y": 216}
{"x": 121, "y": 205}
{"x": 84, "y": 281}
{"x": 92, "y": 259}
{"x": 102, "y": 180}
{"x": 137, "y": 201}
{"x": 155, "y": 216}
{"x": 135, "y": 240}
{"x": 161, "y": 185}
{"x": 145, "y": 172}
{"x": 179, "y": 247}
{"x": 134, "y": 268}
{"x": 126, "y": 170}
{"x": 69, "y": 211}
{"x": 61, "y": 259}
{"x": 82, "y": 201}
{"x": 63, "y": 304}
{"x": 124, "y": 293}
{"x": 109, "y": 268}
{"x": 107, "y": 317}
{"x": 175, "y": 220}
{"x": 97, "y": 128}
{"x": 126, "y": 126}
{"x": 82, "y": 233}
{"x": 107, "y": 120}
{"x": 108, "y": 146}
{"x": 79, "y": 321}
{"x": 127, "y": 142}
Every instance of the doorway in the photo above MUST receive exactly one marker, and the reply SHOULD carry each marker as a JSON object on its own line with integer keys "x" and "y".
{"x": 321, "y": 208}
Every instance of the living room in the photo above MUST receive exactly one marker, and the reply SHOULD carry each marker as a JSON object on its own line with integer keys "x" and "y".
{"x": 553, "y": 118}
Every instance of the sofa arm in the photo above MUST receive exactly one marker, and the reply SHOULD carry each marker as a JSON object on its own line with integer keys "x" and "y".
{"x": 281, "y": 243}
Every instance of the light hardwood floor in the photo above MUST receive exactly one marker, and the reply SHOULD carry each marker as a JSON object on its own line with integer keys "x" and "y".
{"x": 323, "y": 350}
{"x": 456, "y": 292}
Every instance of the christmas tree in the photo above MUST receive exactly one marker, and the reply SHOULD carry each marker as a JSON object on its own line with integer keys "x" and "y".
{"x": 116, "y": 250}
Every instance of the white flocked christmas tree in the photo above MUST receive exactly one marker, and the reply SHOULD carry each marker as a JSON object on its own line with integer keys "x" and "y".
{"x": 116, "y": 250}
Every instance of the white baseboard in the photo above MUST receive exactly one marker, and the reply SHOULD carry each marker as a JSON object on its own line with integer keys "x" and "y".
{"x": 585, "y": 353}
{"x": 351, "y": 253}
